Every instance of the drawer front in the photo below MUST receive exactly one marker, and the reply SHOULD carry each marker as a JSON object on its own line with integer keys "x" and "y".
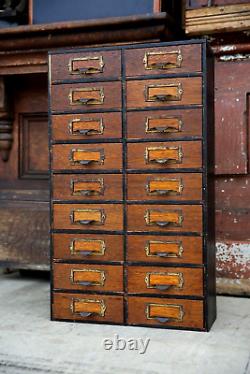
{"x": 165, "y": 280}
{"x": 168, "y": 218}
{"x": 87, "y": 187}
{"x": 85, "y": 307}
{"x": 164, "y": 125}
{"x": 88, "y": 247}
{"x": 86, "y": 96}
{"x": 88, "y": 217}
{"x": 88, "y": 277}
{"x": 86, "y": 127}
{"x": 164, "y": 187}
{"x": 174, "y": 155}
{"x": 165, "y": 312}
{"x": 86, "y": 65}
{"x": 163, "y": 60}
{"x": 87, "y": 156}
{"x": 164, "y": 92}
{"x": 162, "y": 249}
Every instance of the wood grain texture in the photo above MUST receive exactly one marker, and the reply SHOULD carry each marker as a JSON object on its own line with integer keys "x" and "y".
{"x": 191, "y": 62}
{"x": 61, "y": 125}
{"x": 191, "y": 155}
{"x": 191, "y": 124}
{"x": 60, "y": 100}
{"x": 192, "y": 218}
{"x": 62, "y": 154}
{"x": 113, "y": 250}
{"x": 61, "y": 307}
{"x": 191, "y": 249}
{"x": 112, "y": 277}
{"x": 192, "y": 318}
{"x": 75, "y": 186}
{"x": 173, "y": 276}
{"x": 113, "y": 216}
{"x": 192, "y": 92}
{"x": 145, "y": 186}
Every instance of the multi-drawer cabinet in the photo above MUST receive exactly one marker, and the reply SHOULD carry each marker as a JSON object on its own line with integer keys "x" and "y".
{"x": 132, "y": 217}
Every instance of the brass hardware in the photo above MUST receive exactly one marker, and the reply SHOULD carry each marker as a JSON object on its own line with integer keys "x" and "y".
{"x": 88, "y": 130}
{"x": 74, "y": 69}
{"x": 88, "y": 307}
{"x": 99, "y": 191}
{"x": 99, "y": 273}
{"x": 164, "y": 186}
{"x": 99, "y": 251}
{"x": 164, "y": 218}
{"x": 173, "y": 155}
{"x": 173, "y": 59}
{"x": 88, "y": 220}
{"x": 165, "y": 125}
{"x": 163, "y": 92}
{"x": 164, "y": 313}
{"x": 88, "y": 161}
{"x": 90, "y": 99}
{"x": 163, "y": 254}
{"x": 165, "y": 279}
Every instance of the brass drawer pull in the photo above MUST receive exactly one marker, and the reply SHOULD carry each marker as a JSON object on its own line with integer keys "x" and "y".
{"x": 91, "y": 187}
{"x": 163, "y": 125}
{"x": 87, "y": 277}
{"x": 164, "y": 281}
{"x": 86, "y": 126}
{"x": 88, "y": 307}
{"x": 164, "y": 218}
{"x": 162, "y": 60}
{"x": 87, "y": 96}
{"x": 164, "y": 313}
{"x": 87, "y": 217}
{"x": 86, "y": 65}
{"x": 86, "y": 156}
{"x": 164, "y": 249}
{"x": 163, "y": 155}
{"x": 163, "y": 92}
{"x": 164, "y": 186}
{"x": 87, "y": 247}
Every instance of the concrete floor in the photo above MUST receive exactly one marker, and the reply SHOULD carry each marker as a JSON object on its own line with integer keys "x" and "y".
{"x": 31, "y": 343}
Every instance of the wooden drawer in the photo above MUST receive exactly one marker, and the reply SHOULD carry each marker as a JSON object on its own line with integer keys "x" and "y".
{"x": 164, "y": 92}
{"x": 163, "y": 60}
{"x": 88, "y": 277}
{"x": 88, "y": 247}
{"x": 88, "y": 216}
{"x": 86, "y": 65}
{"x": 162, "y": 249}
{"x": 86, "y": 126}
{"x": 165, "y": 312}
{"x": 86, "y": 96}
{"x": 165, "y": 280}
{"x": 87, "y": 156}
{"x": 164, "y": 125}
{"x": 88, "y": 308}
{"x": 87, "y": 187}
{"x": 171, "y": 155}
{"x": 168, "y": 218}
{"x": 179, "y": 187}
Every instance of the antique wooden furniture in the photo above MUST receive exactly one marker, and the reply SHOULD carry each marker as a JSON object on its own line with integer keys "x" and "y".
{"x": 132, "y": 230}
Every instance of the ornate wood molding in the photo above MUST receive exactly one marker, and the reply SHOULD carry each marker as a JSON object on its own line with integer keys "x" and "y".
{"x": 218, "y": 19}
{"x": 6, "y": 122}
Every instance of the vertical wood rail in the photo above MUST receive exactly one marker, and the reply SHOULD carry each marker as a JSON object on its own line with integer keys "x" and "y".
{"x": 6, "y": 122}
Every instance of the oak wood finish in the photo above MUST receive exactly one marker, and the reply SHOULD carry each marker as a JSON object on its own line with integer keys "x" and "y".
{"x": 162, "y": 249}
{"x": 62, "y": 307}
{"x": 77, "y": 276}
{"x": 192, "y": 312}
{"x": 96, "y": 126}
{"x": 163, "y": 125}
{"x": 165, "y": 280}
{"x": 95, "y": 247}
{"x": 87, "y": 187}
